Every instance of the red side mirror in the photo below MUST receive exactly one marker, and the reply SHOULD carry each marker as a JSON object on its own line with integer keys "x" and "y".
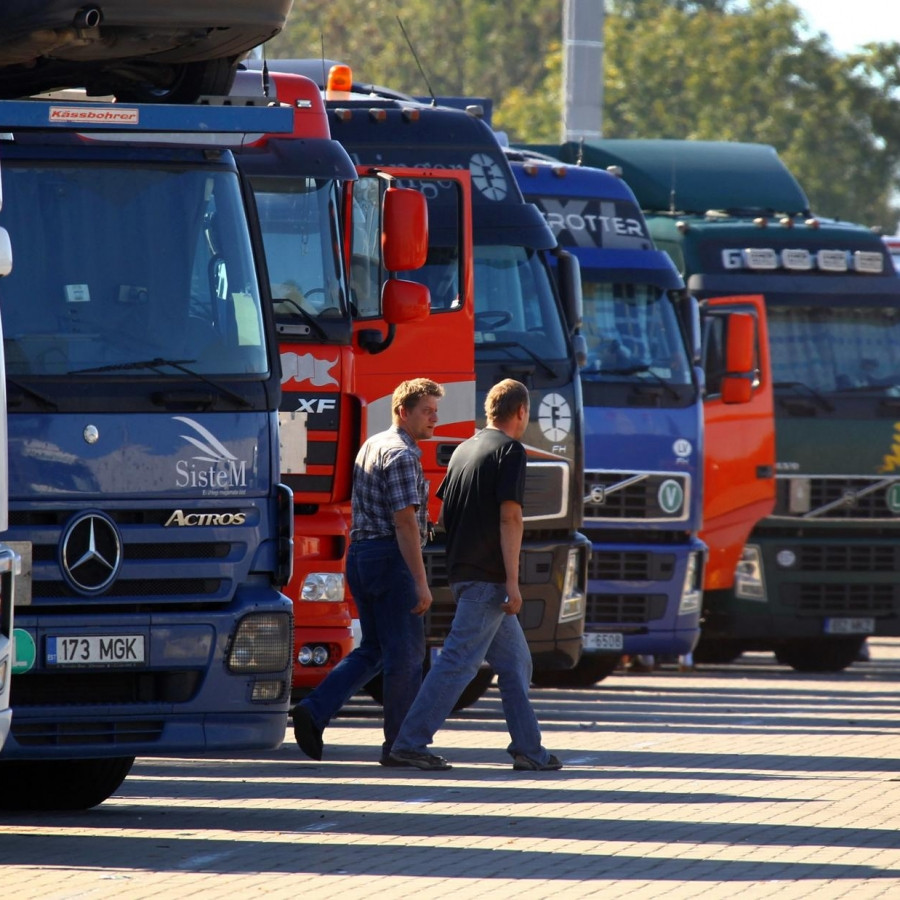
{"x": 404, "y": 301}
{"x": 404, "y": 238}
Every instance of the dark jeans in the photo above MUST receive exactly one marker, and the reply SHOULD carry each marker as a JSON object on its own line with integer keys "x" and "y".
{"x": 393, "y": 639}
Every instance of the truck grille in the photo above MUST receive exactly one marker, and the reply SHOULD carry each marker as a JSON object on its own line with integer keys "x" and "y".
{"x": 80, "y": 733}
{"x": 99, "y": 688}
{"x": 160, "y": 566}
{"x": 546, "y": 491}
{"x": 636, "y": 496}
{"x": 844, "y": 558}
{"x": 852, "y": 600}
{"x": 624, "y": 609}
{"x": 629, "y": 565}
{"x": 839, "y": 497}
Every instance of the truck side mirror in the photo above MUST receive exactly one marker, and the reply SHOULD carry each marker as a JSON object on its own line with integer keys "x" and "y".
{"x": 404, "y": 301}
{"x": 737, "y": 382}
{"x": 5, "y": 253}
{"x": 404, "y": 236}
{"x": 568, "y": 280}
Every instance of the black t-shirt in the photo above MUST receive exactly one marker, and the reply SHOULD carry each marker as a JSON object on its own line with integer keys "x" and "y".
{"x": 484, "y": 471}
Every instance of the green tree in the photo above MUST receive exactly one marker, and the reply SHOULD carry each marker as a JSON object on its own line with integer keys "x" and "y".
{"x": 748, "y": 72}
{"x": 741, "y": 70}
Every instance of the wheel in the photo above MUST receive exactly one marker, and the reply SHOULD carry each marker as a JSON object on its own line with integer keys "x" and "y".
{"x": 179, "y": 84}
{"x": 472, "y": 692}
{"x": 819, "y": 654}
{"x": 717, "y": 651}
{"x": 60, "y": 784}
{"x": 591, "y": 668}
{"x": 492, "y": 318}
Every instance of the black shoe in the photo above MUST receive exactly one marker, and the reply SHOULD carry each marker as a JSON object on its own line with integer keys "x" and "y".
{"x": 307, "y": 735}
{"x": 418, "y": 760}
{"x": 391, "y": 763}
{"x": 527, "y": 764}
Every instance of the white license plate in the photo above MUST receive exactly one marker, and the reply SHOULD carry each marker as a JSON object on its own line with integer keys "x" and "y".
{"x": 95, "y": 650}
{"x": 597, "y": 640}
{"x": 849, "y": 626}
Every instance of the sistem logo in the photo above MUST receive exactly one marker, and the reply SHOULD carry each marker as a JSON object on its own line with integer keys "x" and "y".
{"x": 224, "y": 472}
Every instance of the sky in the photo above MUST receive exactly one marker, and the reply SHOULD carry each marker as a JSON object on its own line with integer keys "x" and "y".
{"x": 850, "y": 23}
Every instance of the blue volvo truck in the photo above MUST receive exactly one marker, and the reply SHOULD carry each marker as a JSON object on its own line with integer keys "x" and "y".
{"x": 643, "y": 421}
{"x": 143, "y": 386}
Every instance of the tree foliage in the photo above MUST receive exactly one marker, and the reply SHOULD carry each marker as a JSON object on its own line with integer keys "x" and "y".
{"x": 741, "y": 70}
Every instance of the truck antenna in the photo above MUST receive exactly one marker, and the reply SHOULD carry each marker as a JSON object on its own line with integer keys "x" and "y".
{"x": 322, "y": 51}
{"x": 672, "y": 191}
{"x": 416, "y": 58}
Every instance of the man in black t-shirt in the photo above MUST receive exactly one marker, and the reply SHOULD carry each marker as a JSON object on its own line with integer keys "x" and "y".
{"x": 482, "y": 498}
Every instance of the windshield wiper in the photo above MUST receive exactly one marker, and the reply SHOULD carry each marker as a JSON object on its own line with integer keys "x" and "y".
{"x": 641, "y": 369}
{"x": 509, "y": 345}
{"x": 307, "y": 317}
{"x": 157, "y": 364}
{"x": 43, "y": 399}
{"x": 810, "y": 390}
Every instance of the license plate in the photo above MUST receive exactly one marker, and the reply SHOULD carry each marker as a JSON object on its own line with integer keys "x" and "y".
{"x": 95, "y": 650}
{"x": 596, "y": 640}
{"x": 849, "y": 626}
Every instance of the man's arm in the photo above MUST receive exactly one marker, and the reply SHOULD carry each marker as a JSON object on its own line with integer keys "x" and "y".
{"x": 511, "y": 529}
{"x": 411, "y": 550}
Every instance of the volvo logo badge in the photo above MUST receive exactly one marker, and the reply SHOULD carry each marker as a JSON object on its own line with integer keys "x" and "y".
{"x": 91, "y": 552}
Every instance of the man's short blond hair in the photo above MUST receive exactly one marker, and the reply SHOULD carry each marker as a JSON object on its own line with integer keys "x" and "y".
{"x": 408, "y": 393}
{"x": 504, "y": 399}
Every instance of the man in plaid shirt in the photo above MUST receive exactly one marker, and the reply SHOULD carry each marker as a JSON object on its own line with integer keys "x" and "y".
{"x": 385, "y": 571}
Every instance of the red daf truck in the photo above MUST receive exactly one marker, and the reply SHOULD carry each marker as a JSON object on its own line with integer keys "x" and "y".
{"x": 335, "y": 239}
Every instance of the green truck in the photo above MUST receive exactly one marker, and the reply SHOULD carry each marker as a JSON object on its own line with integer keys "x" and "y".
{"x": 819, "y": 574}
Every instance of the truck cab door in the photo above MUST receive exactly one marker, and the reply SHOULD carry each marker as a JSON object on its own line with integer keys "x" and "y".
{"x": 393, "y": 340}
{"x": 739, "y": 448}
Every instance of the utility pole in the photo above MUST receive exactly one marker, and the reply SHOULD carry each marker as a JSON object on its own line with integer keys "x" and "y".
{"x": 582, "y": 70}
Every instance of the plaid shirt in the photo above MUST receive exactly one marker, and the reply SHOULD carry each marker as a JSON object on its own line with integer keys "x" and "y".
{"x": 387, "y": 477}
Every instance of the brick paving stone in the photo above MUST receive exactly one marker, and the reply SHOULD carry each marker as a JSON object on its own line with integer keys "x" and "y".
{"x": 745, "y": 781}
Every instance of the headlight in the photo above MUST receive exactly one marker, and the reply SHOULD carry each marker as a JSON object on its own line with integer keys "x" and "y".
{"x": 572, "y": 604}
{"x": 691, "y": 591}
{"x": 749, "y": 583}
{"x": 327, "y": 586}
{"x": 262, "y": 643}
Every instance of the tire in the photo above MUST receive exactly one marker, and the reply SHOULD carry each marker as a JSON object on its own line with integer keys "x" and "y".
{"x": 717, "y": 651}
{"x": 190, "y": 81}
{"x": 591, "y": 668}
{"x": 60, "y": 784}
{"x": 820, "y": 654}
{"x": 473, "y": 691}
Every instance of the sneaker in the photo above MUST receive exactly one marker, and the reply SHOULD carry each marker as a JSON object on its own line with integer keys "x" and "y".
{"x": 419, "y": 760}
{"x": 526, "y": 764}
{"x": 306, "y": 733}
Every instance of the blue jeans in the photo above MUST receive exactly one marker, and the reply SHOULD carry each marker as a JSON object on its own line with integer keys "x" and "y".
{"x": 393, "y": 639}
{"x": 481, "y": 630}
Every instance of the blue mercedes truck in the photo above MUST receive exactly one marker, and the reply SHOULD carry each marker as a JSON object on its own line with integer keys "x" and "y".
{"x": 643, "y": 421}
{"x": 143, "y": 387}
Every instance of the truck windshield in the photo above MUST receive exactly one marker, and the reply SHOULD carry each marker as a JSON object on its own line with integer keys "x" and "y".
{"x": 116, "y": 264}
{"x": 302, "y": 240}
{"x": 516, "y": 313}
{"x": 632, "y": 334}
{"x": 836, "y": 349}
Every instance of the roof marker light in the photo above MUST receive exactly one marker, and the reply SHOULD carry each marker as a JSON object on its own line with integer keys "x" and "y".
{"x": 410, "y": 115}
{"x": 812, "y": 223}
{"x": 615, "y": 170}
{"x": 760, "y": 221}
{"x": 786, "y": 222}
{"x": 530, "y": 169}
{"x": 340, "y": 78}
{"x": 343, "y": 115}
{"x": 378, "y": 115}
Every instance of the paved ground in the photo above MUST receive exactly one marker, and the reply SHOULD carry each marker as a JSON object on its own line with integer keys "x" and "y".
{"x": 746, "y": 781}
